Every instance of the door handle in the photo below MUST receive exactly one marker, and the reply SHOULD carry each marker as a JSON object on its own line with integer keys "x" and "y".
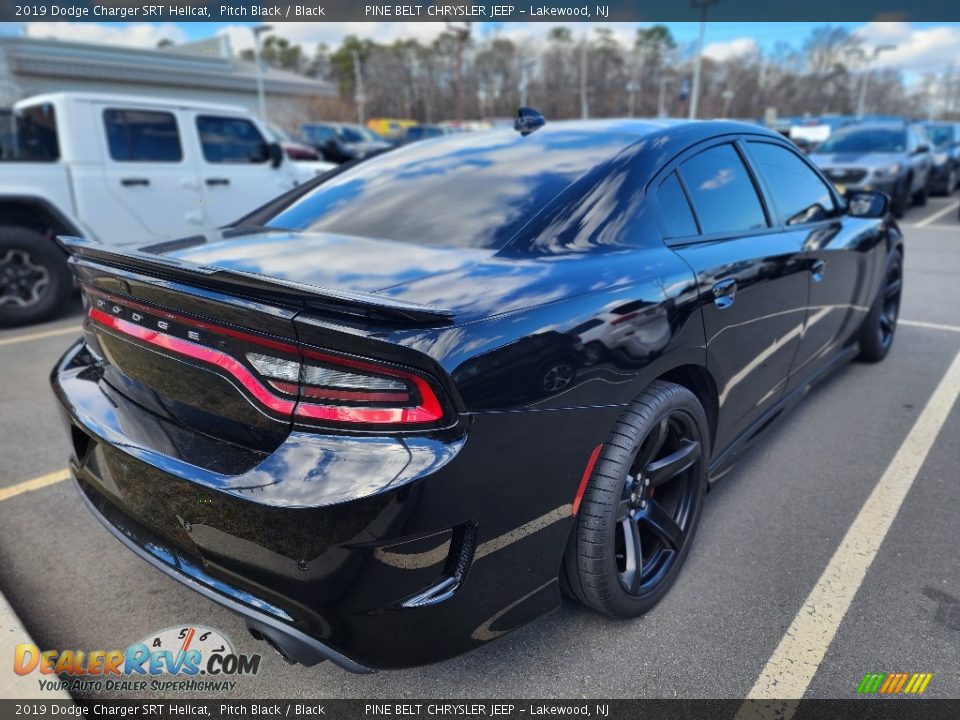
{"x": 724, "y": 293}
{"x": 817, "y": 270}
{"x": 130, "y": 182}
{"x": 218, "y": 181}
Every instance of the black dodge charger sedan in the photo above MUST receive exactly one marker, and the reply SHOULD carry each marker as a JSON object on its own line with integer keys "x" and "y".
{"x": 392, "y": 415}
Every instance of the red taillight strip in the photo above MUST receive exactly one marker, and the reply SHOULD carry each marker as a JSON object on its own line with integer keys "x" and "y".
{"x": 197, "y": 352}
{"x": 429, "y": 409}
{"x": 587, "y": 472}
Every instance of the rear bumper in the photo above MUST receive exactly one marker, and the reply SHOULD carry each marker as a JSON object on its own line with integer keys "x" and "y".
{"x": 371, "y": 552}
{"x": 292, "y": 643}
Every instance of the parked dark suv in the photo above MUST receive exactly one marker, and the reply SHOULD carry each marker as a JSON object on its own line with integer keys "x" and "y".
{"x": 894, "y": 158}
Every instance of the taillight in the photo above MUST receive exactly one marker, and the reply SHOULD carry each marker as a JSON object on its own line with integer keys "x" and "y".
{"x": 318, "y": 387}
{"x": 344, "y": 390}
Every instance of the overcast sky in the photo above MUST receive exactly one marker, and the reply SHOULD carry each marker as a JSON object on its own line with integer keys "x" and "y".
{"x": 921, "y": 47}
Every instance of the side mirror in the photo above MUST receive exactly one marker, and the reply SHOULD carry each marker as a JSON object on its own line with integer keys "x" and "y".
{"x": 922, "y": 149}
{"x": 276, "y": 154}
{"x": 867, "y": 204}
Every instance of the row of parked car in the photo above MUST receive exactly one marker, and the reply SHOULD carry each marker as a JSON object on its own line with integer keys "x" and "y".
{"x": 906, "y": 160}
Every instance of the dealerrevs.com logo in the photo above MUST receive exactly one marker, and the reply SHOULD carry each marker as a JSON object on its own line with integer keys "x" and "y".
{"x": 894, "y": 683}
{"x": 178, "y": 659}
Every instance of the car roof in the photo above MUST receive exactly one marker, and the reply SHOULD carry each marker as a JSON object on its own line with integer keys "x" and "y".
{"x": 120, "y": 98}
{"x": 668, "y": 132}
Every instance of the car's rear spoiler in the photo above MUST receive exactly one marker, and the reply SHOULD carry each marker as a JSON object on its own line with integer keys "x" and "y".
{"x": 261, "y": 287}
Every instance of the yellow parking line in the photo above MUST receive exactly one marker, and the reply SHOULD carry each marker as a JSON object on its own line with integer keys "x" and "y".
{"x": 72, "y": 330}
{"x": 36, "y": 483}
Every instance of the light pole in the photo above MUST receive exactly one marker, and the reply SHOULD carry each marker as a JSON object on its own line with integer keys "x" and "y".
{"x": 584, "y": 106}
{"x": 460, "y": 32}
{"x": 358, "y": 95}
{"x": 662, "y": 98}
{"x": 868, "y": 69}
{"x": 702, "y": 5}
{"x": 633, "y": 87}
{"x": 258, "y": 30}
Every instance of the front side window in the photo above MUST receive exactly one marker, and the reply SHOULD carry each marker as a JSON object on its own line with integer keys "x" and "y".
{"x": 722, "y": 192}
{"x": 32, "y": 135}
{"x": 800, "y": 196}
{"x": 231, "y": 140}
{"x": 142, "y": 136}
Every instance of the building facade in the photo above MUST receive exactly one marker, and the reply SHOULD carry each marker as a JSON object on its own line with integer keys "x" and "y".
{"x": 206, "y": 70}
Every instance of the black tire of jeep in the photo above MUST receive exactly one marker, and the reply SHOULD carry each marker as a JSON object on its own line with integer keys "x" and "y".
{"x": 26, "y": 251}
{"x": 880, "y": 325}
{"x": 590, "y": 572}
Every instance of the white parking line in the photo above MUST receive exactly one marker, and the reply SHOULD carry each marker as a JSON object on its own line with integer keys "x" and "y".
{"x": 36, "y": 483}
{"x": 929, "y": 325}
{"x": 952, "y": 207}
{"x": 797, "y": 658}
{"x": 72, "y": 330}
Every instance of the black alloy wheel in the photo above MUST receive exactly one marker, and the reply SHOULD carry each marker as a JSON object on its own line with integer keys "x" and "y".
{"x": 880, "y": 325}
{"x": 642, "y": 504}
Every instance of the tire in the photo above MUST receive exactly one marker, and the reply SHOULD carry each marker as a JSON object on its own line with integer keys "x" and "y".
{"x": 950, "y": 183}
{"x": 919, "y": 198}
{"x": 35, "y": 280}
{"x": 899, "y": 201}
{"x": 651, "y": 472}
{"x": 880, "y": 325}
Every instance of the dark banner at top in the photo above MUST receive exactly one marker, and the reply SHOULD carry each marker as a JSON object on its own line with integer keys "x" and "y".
{"x": 568, "y": 11}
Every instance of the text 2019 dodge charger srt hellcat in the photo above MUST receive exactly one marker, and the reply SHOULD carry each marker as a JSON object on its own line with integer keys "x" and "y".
{"x": 390, "y": 416}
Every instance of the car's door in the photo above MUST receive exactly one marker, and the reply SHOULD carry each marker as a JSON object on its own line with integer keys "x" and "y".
{"x": 837, "y": 250}
{"x": 149, "y": 185}
{"x": 752, "y": 280}
{"x": 236, "y": 172}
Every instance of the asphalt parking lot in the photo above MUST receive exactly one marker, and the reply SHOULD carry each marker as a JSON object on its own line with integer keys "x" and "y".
{"x": 770, "y": 529}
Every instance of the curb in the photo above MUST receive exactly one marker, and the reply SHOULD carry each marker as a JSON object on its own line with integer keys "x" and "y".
{"x": 13, "y": 686}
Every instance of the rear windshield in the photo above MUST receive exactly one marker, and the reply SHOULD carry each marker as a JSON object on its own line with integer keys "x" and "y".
{"x": 31, "y": 135}
{"x": 472, "y": 190}
{"x": 863, "y": 141}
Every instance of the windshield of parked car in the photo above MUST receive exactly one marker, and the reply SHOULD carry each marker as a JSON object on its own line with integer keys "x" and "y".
{"x": 866, "y": 140}
{"x": 940, "y": 135}
{"x": 32, "y": 136}
{"x": 467, "y": 190}
{"x": 355, "y": 134}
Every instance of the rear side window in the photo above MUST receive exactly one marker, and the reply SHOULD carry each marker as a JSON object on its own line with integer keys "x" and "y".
{"x": 676, "y": 208}
{"x": 722, "y": 192}
{"x": 799, "y": 194}
{"x": 142, "y": 136}
{"x": 231, "y": 140}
